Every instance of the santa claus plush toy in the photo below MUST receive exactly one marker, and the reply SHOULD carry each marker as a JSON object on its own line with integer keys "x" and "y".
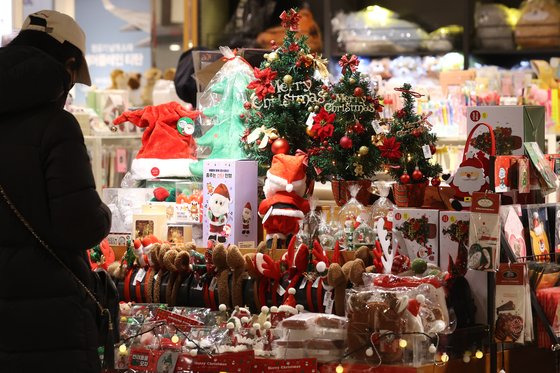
{"x": 471, "y": 176}
{"x": 218, "y": 210}
{"x": 284, "y": 206}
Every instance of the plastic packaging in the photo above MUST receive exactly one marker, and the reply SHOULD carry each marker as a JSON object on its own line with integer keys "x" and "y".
{"x": 325, "y": 233}
{"x": 383, "y": 207}
{"x": 350, "y": 216}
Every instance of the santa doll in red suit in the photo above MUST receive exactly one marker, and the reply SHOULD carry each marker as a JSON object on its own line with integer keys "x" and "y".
{"x": 471, "y": 176}
{"x": 284, "y": 206}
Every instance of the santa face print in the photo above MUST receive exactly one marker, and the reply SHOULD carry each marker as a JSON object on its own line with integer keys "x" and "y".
{"x": 219, "y": 205}
{"x": 469, "y": 179}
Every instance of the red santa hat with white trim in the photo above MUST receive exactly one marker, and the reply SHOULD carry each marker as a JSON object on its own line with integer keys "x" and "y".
{"x": 286, "y": 174}
{"x": 165, "y": 152}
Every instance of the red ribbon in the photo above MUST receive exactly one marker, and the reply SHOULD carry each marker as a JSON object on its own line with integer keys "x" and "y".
{"x": 306, "y": 160}
{"x": 351, "y": 63}
{"x": 412, "y": 93}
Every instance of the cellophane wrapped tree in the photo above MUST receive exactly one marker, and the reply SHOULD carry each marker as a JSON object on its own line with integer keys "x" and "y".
{"x": 342, "y": 129}
{"x": 285, "y": 91}
{"x": 408, "y": 147}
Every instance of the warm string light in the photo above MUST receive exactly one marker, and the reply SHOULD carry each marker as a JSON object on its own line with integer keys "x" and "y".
{"x": 339, "y": 368}
{"x": 479, "y": 354}
{"x": 403, "y": 343}
{"x": 444, "y": 358}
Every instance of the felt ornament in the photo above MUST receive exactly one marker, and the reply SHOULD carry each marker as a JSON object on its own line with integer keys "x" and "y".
{"x": 236, "y": 263}
{"x": 165, "y": 152}
{"x": 219, "y": 258}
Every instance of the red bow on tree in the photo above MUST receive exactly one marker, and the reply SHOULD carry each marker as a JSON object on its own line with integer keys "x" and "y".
{"x": 290, "y": 19}
{"x": 349, "y": 63}
{"x": 263, "y": 85}
{"x": 391, "y": 148}
{"x": 412, "y": 93}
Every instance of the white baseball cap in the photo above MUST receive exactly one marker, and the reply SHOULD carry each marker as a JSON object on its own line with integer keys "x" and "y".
{"x": 63, "y": 28}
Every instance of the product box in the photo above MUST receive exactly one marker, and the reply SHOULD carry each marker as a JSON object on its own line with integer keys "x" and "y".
{"x": 189, "y": 201}
{"x": 165, "y": 208}
{"x": 179, "y": 234}
{"x": 147, "y": 224}
{"x": 511, "y": 173}
{"x": 510, "y": 304}
{"x": 484, "y": 232}
{"x": 230, "y": 202}
{"x": 453, "y": 243}
{"x": 513, "y": 125}
{"x": 415, "y": 233}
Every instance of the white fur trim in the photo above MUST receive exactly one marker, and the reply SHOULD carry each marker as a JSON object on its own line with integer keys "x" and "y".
{"x": 271, "y": 236}
{"x": 142, "y": 168}
{"x": 287, "y": 309}
{"x": 288, "y": 212}
{"x": 298, "y": 186}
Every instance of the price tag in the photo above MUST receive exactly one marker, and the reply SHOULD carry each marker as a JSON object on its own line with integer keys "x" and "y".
{"x": 213, "y": 284}
{"x": 304, "y": 284}
{"x": 427, "y": 151}
{"x": 310, "y": 119}
{"x": 139, "y": 276}
{"x": 281, "y": 291}
{"x": 328, "y": 302}
{"x": 376, "y": 127}
{"x": 316, "y": 283}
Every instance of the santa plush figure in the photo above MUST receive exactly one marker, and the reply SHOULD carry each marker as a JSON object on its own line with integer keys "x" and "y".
{"x": 284, "y": 206}
{"x": 471, "y": 176}
{"x": 246, "y": 219}
{"x": 218, "y": 210}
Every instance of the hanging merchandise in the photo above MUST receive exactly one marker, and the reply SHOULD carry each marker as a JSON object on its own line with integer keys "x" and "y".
{"x": 473, "y": 172}
{"x": 484, "y": 232}
{"x": 538, "y": 232}
{"x": 406, "y": 150}
{"x": 351, "y": 215}
{"x": 513, "y": 230}
{"x": 284, "y": 88}
{"x": 223, "y": 102}
{"x": 166, "y": 151}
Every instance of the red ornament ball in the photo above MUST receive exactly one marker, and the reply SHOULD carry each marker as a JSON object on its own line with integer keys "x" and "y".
{"x": 436, "y": 181}
{"x": 330, "y": 148}
{"x": 345, "y": 142}
{"x": 358, "y": 92}
{"x": 433, "y": 149}
{"x": 280, "y": 146}
{"x": 416, "y": 132}
{"x": 325, "y": 143}
{"x": 247, "y": 105}
{"x": 417, "y": 174}
{"x": 405, "y": 178}
{"x": 358, "y": 128}
{"x": 242, "y": 116}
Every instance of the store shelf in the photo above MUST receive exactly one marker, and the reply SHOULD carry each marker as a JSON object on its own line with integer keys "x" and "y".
{"x": 517, "y": 52}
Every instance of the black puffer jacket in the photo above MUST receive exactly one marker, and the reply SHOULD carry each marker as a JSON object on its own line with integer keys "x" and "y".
{"x": 48, "y": 325}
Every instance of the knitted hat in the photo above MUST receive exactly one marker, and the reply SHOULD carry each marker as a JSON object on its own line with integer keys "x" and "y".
{"x": 222, "y": 190}
{"x": 287, "y": 172}
{"x": 165, "y": 152}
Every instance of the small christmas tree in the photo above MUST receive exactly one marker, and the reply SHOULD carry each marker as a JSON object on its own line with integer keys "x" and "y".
{"x": 229, "y": 87}
{"x": 407, "y": 149}
{"x": 284, "y": 93}
{"x": 343, "y": 128}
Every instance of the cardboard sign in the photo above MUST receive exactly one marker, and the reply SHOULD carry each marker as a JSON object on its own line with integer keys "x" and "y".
{"x": 160, "y": 361}
{"x": 228, "y": 362}
{"x": 285, "y": 365}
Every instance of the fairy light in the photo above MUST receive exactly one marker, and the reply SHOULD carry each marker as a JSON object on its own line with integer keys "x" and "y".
{"x": 479, "y": 354}
{"x": 122, "y": 349}
{"x": 175, "y": 339}
{"x": 339, "y": 368}
{"x": 444, "y": 357}
{"x": 403, "y": 343}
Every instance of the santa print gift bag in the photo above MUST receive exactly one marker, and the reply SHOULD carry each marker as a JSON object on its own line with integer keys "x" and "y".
{"x": 473, "y": 172}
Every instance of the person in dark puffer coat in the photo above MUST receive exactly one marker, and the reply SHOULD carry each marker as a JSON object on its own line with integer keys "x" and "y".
{"x": 48, "y": 324}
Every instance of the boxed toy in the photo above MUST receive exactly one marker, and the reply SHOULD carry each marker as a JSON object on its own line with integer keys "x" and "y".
{"x": 453, "y": 243}
{"x": 189, "y": 202}
{"x": 230, "y": 202}
{"x": 415, "y": 233}
{"x": 513, "y": 125}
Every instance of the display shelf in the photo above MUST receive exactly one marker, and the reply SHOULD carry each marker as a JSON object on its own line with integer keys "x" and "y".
{"x": 517, "y": 52}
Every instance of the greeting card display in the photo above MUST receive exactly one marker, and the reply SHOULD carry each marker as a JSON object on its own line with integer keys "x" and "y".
{"x": 230, "y": 202}
{"x": 510, "y": 304}
{"x": 511, "y": 173}
{"x": 537, "y": 222}
{"x": 547, "y": 178}
{"x": 189, "y": 202}
{"x": 484, "y": 232}
{"x": 554, "y": 162}
{"x": 553, "y": 211}
{"x": 513, "y": 229}
{"x": 415, "y": 233}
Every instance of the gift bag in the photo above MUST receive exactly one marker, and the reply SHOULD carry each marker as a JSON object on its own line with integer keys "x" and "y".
{"x": 473, "y": 172}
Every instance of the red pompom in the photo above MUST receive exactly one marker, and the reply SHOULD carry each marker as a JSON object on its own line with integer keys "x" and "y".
{"x": 161, "y": 194}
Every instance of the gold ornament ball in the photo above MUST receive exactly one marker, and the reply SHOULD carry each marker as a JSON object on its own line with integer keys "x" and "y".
{"x": 363, "y": 150}
{"x": 310, "y": 109}
{"x": 266, "y": 55}
{"x": 272, "y": 56}
{"x": 317, "y": 107}
{"x": 288, "y": 79}
{"x": 352, "y": 80}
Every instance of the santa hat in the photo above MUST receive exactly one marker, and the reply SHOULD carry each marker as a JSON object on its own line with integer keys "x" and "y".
{"x": 288, "y": 172}
{"x": 471, "y": 162}
{"x": 248, "y": 206}
{"x": 222, "y": 190}
{"x": 165, "y": 152}
{"x": 289, "y": 305}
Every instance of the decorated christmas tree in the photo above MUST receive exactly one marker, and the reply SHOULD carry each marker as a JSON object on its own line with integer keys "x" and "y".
{"x": 285, "y": 92}
{"x": 407, "y": 149}
{"x": 343, "y": 128}
{"x": 227, "y": 91}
